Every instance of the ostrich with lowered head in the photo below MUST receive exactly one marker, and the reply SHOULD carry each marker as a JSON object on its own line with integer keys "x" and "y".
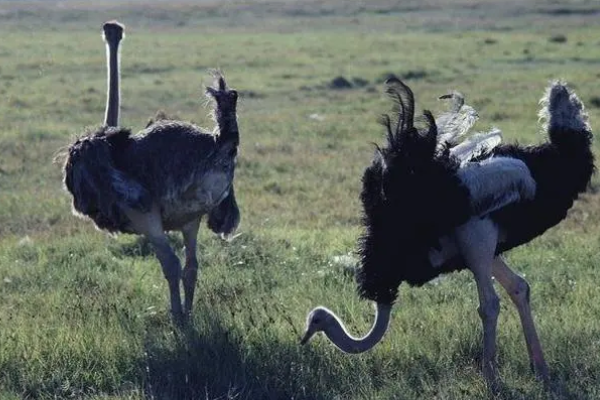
{"x": 164, "y": 178}
{"x": 427, "y": 213}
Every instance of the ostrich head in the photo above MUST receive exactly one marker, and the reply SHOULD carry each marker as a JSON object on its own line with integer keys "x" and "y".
{"x": 225, "y": 98}
{"x": 318, "y": 320}
{"x": 113, "y": 31}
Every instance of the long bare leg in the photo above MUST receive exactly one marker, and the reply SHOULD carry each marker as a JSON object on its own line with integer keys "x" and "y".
{"x": 518, "y": 290}
{"x": 489, "y": 308}
{"x": 477, "y": 241}
{"x": 150, "y": 225}
{"x": 190, "y": 272}
{"x": 171, "y": 269}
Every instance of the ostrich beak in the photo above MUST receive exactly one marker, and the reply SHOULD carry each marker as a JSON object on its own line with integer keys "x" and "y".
{"x": 306, "y": 337}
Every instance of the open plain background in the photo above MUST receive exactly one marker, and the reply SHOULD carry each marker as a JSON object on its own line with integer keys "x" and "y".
{"x": 84, "y": 315}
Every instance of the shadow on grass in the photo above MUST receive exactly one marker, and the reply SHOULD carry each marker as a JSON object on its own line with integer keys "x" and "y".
{"x": 209, "y": 361}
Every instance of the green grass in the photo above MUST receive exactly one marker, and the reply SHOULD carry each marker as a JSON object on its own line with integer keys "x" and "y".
{"x": 86, "y": 315}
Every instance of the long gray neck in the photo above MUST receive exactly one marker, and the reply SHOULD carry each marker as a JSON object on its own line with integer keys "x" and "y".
{"x": 340, "y": 337}
{"x": 111, "y": 118}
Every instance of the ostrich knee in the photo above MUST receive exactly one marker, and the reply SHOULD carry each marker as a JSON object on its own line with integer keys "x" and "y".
{"x": 489, "y": 309}
{"x": 521, "y": 292}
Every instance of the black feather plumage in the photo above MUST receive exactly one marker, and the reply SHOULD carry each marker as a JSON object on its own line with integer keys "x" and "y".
{"x": 98, "y": 185}
{"x": 561, "y": 175}
{"x": 176, "y": 166}
{"x": 403, "y": 216}
{"x": 562, "y": 168}
{"x": 412, "y": 196}
{"x": 165, "y": 164}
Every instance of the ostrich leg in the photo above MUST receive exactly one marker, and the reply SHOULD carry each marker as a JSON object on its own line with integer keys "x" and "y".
{"x": 489, "y": 308}
{"x": 150, "y": 225}
{"x": 518, "y": 290}
{"x": 190, "y": 272}
{"x": 172, "y": 271}
{"x": 477, "y": 242}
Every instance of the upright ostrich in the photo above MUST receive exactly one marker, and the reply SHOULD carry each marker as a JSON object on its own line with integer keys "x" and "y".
{"x": 166, "y": 177}
{"x": 426, "y": 214}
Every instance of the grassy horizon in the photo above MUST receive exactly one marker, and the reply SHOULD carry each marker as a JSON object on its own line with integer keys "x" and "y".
{"x": 85, "y": 315}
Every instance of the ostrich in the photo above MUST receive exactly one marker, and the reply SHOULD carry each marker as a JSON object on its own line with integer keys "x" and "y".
{"x": 166, "y": 177}
{"x": 427, "y": 213}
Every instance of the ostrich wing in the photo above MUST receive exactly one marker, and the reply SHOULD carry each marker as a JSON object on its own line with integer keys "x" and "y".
{"x": 130, "y": 192}
{"x": 496, "y": 182}
{"x": 456, "y": 122}
{"x": 476, "y": 145}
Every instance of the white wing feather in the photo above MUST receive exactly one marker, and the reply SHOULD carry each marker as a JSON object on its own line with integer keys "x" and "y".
{"x": 456, "y": 123}
{"x": 475, "y": 145}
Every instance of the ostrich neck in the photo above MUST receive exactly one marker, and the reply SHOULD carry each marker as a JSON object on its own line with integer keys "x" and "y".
{"x": 339, "y": 336}
{"x": 111, "y": 117}
{"x": 227, "y": 122}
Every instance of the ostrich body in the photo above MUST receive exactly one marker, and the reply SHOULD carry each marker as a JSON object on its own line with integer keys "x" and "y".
{"x": 426, "y": 212}
{"x": 166, "y": 177}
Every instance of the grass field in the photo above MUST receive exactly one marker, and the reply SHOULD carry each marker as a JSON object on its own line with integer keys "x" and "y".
{"x": 83, "y": 315}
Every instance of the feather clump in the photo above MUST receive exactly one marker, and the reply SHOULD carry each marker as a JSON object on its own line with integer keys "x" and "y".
{"x": 404, "y": 214}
